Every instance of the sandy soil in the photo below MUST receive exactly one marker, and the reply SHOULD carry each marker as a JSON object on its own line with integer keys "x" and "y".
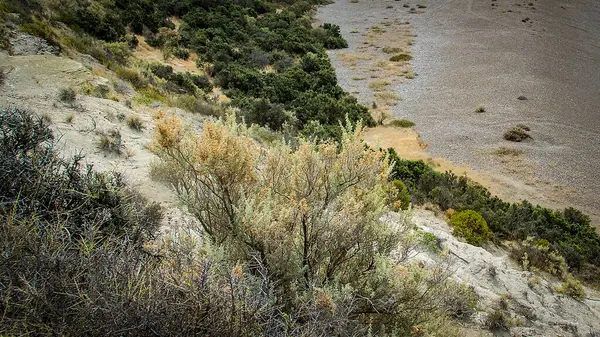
{"x": 487, "y": 52}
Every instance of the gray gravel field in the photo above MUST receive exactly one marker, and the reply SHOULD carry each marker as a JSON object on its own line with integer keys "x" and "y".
{"x": 475, "y": 52}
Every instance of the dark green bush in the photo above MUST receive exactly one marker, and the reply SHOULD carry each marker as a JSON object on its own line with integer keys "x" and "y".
{"x": 161, "y": 70}
{"x": 471, "y": 226}
{"x": 569, "y": 232}
{"x": 181, "y": 53}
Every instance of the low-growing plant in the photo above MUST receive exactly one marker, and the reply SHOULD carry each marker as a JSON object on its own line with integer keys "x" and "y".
{"x": 135, "y": 122}
{"x": 401, "y": 58}
{"x": 118, "y": 52}
{"x": 149, "y": 95}
{"x": 471, "y": 226}
{"x": 181, "y": 53}
{"x": 132, "y": 76}
{"x": 538, "y": 253}
{"x": 196, "y": 105}
{"x": 70, "y": 117}
{"x": 101, "y": 91}
{"x": 67, "y": 95}
{"x": 2, "y": 77}
{"x": 480, "y": 108}
{"x": 516, "y": 134}
{"x": 460, "y": 300}
{"x": 391, "y": 50}
{"x": 506, "y": 151}
{"x": 572, "y": 287}
{"x": 430, "y": 242}
{"x": 497, "y": 320}
{"x": 111, "y": 142}
{"x": 399, "y": 196}
{"x": 402, "y": 123}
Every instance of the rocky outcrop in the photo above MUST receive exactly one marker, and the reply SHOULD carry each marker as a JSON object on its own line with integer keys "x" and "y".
{"x": 531, "y": 304}
{"x": 20, "y": 43}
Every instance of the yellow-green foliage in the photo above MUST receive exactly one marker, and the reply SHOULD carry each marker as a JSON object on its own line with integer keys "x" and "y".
{"x": 400, "y": 198}
{"x": 572, "y": 287}
{"x": 537, "y": 254}
{"x": 471, "y": 226}
{"x": 310, "y": 215}
{"x": 148, "y": 95}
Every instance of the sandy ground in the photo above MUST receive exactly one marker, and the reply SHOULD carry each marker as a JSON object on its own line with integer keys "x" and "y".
{"x": 489, "y": 52}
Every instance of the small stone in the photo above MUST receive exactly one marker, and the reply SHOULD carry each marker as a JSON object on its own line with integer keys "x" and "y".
{"x": 522, "y": 98}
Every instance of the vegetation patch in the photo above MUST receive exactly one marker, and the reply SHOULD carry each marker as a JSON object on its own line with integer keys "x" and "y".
{"x": 517, "y": 134}
{"x": 471, "y": 226}
{"x": 379, "y": 85}
{"x": 402, "y": 123}
{"x": 67, "y": 95}
{"x": 135, "y": 122}
{"x": 480, "y": 108}
{"x": 391, "y": 50}
{"x": 508, "y": 151}
{"x": 400, "y": 58}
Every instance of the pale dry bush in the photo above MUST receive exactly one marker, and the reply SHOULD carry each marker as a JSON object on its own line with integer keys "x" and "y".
{"x": 309, "y": 217}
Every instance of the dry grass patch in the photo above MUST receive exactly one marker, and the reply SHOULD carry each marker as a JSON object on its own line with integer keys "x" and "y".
{"x": 379, "y": 85}
{"x": 391, "y": 50}
{"x": 388, "y": 97}
{"x": 401, "y": 58}
{"x": 506, "y": 151}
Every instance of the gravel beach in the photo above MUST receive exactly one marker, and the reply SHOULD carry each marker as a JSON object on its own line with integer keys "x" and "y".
{"x": 468, "y": 53}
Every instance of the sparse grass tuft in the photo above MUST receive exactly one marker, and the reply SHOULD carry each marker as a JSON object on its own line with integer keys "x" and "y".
{"x": 67, "y": 95}
{"x": 135, "y": 122}
{"x": 402, "y": 123}
{"x": 401, "y": 58}
{"x": 480, "y": 108}
{"x": 391, "y": 50}
{"x": 388, "y": 96}
{"x": 506, "y": 151}
{"x": 2, "y": 77}
{"x": 132, "y": 76}
{"x": 70, "y": 117}
{"x": 379, "y": 85}
{"x": 111, "y": 142}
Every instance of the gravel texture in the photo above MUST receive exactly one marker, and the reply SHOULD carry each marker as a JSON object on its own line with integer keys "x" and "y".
{"x": 475, "y": 52}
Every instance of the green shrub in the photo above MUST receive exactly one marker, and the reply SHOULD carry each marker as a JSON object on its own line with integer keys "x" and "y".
{"x": 430, "y": 241}
{"x": 400, "y": 197}
{"x": 147, "y": 96}
{"x": 181, "y": 53}
{"x": 40, "y": 29}
{"x": 402, "y": 123}
{"x": 119, "y": 52}
{"x": 400, "y": 58}
{"x": 132, "y": 76}
{"x": 471, "y": 226}
{"x": 196, "y": 105}
{"x": 572, "y": 287}
{"x": 161, "y": 70}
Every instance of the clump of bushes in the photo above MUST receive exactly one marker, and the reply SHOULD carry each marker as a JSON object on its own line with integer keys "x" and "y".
{"x": 538, "y": 254}
{"x": 471, "y": 226}
{"x": 517, "y": 134}
{"x": 400, "y": 58}
{"x": 569, "y": 232}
